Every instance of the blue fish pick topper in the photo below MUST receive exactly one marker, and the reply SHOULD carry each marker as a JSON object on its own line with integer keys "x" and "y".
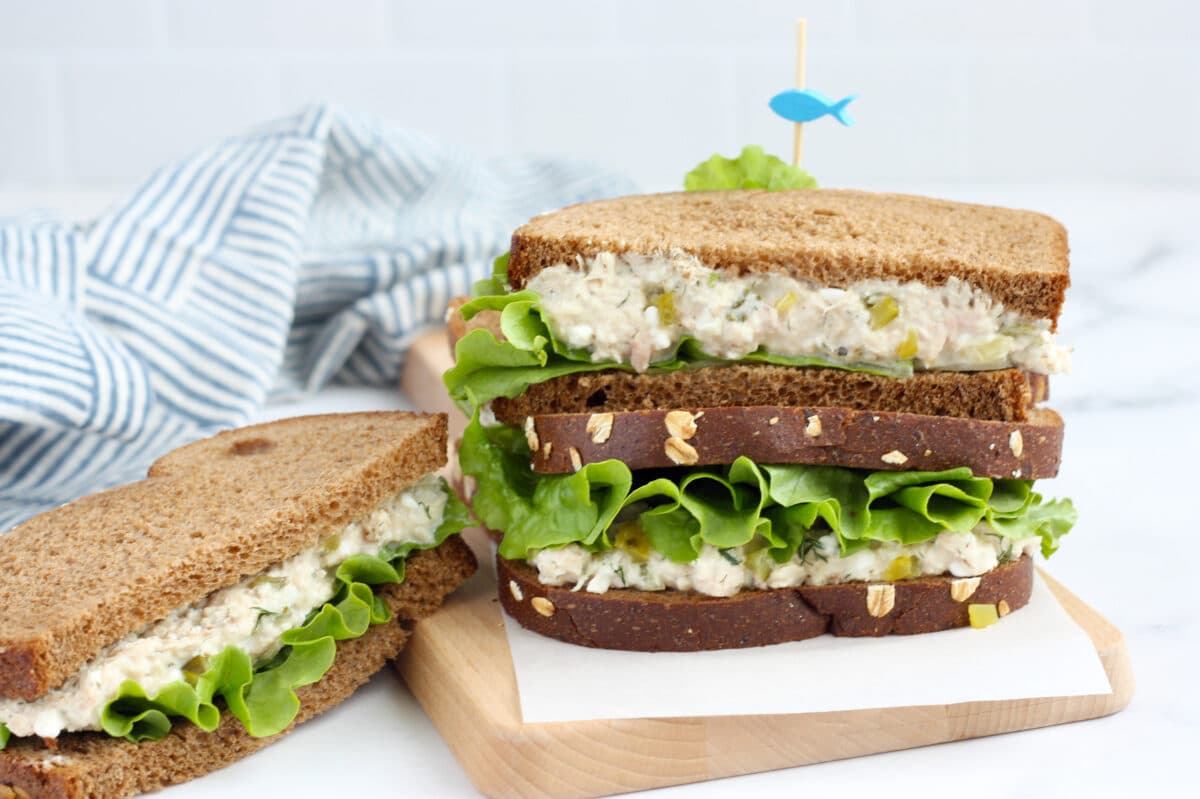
{"x": 806, "y": 105}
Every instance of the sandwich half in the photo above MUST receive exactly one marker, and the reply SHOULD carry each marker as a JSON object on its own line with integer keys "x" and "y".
{"x": 163, "y": 629}
{"x": 730, "y": 418}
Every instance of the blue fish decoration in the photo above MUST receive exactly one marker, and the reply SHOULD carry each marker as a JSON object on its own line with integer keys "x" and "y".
{"x": 805, "y": 105}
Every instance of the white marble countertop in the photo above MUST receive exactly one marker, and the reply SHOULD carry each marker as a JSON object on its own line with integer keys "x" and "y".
{"x": 1133, "y": 316}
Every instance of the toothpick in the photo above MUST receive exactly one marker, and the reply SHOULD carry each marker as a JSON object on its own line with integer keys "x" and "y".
{"x": 801, "y": 35}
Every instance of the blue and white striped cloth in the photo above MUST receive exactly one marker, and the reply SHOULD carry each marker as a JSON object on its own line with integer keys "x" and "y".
{"x": 310, "y": 250}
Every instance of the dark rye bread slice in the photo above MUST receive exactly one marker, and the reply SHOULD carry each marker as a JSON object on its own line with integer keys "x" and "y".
{"x": 93, "y": 765}
{"x": 832, "y": 237}
{"x": 678, "y": 621}
{"x": 210, "y": 514}
{"x": 827, "y": 436}
{"x": 1003, "y": 395}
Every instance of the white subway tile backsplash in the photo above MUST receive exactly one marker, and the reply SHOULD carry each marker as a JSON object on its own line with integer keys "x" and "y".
{"x": 28, "y": 152}
{"x": 277, "y": 24}
{"x": 460, "y": 98}
{"x": 652, "y": 116}
{"x": 54, "y": 24}
{"x": 959, "y": 24}
{"x": 514, "y": 25}
{"x": 1093, "y": 116}
{"x": 730, "y": 25}
{"x": 126, "y": 117}
{"x": 95, "y": 92}
{"x": 1174, "y": 22}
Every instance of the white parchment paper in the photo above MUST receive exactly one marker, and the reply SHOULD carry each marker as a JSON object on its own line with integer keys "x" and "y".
{"x": 1037, "y": 651}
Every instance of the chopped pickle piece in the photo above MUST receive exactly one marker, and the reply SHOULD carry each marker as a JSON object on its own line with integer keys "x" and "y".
{"x": 631, "y": 539}
{"x": 883, "y": 310}
{"x": 908, "y": 347}
{"x": 665, "y": 303}
{"x": 982, "y": 615}
{"x": 713, "y": 278}
{"x": 194, "y": 668}
{"x": 994, "y": 350}
{"x": 761, "y": 563}
{"x": 899, "y": 568}
{"x": 262, "y": 579}
{"x": 784, "y": 303}
{"x": 331, "y": 544}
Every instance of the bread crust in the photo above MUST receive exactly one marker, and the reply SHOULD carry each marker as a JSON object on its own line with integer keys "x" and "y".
{"x": 92, "y": 765}
{"x": 880, "y": 441}
{"x": 674, "y": 621}
{"x": 833, "y": 237}
{"x": 209, "y": 514}
{"x": 1003, "y": 395}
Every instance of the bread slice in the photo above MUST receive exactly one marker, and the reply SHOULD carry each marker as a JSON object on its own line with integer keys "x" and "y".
{"x": 1003, "y": 395}
{"x": 209, "y": 514}
{"x": 832, "y": 237}
{"x": 87, "y": 765}
{"x": 678, "y": 621}
{"x": 830, "y": 436}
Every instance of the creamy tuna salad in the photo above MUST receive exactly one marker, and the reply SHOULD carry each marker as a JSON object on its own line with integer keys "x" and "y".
{"x": 251, "y": 615}
{"x": 726, "y": 572}
{"x": 635, "y": 309}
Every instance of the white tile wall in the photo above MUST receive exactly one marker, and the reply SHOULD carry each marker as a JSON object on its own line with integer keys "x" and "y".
{"x": 124, "y": 117}
{"x": 278, "y": 25}
{"x": 55, "y": 25}
{"x": 652, "y": 114}
{"x": 28, "y": 123}
{"x": 96, "y": 94}
{"x": 504, "y": 26}
{"x": 415, "y": 88}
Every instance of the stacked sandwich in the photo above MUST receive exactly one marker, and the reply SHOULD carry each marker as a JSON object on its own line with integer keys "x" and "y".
{"x": 158, "y": 631}
{"x": 731, "y": 418}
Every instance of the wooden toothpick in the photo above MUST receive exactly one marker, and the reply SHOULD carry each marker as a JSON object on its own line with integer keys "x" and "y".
{"x": 801, "y": 35}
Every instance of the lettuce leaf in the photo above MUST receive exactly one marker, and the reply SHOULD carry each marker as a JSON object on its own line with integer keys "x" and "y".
{"x": 486, "y": 367}
{"x": 753, "y": 169}
{"x": 263, "y": 697}
{"x": 682, "y": 510}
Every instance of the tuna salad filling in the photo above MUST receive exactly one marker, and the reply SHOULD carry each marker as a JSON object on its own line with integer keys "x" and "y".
{"x": 720, "y": 529}
{"x": 251, "y": 616}
{"x": 725, "y": 572}
{"x": 636, "y": 310}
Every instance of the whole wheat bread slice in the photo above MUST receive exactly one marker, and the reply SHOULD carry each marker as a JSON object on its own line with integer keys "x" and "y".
{"x": 1002, "y": 395}
{"x": 832, "y": 237}
{"x": 879, "y": 441}
{"x": 93, "y": 765}
{"x": 684, "y": 621}
{"x": 209, "y": 514}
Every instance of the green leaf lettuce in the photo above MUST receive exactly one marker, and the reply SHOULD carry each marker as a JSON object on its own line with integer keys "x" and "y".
{"x": 753, "y": 169}
{"x": 683, "y": 510}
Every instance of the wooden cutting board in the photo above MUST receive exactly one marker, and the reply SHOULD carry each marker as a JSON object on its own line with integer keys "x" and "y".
{"x": 459, "y": 668}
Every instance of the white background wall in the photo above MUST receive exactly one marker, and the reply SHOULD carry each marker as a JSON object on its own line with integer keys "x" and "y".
{"x": 94, "y": 94}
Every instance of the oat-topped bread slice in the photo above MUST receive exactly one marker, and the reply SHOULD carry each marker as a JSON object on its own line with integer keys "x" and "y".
{"x": 83, "y": 575}
{"x": 831, "y": 237}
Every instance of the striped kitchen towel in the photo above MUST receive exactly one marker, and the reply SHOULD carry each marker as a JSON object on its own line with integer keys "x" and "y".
{"x": 310, "y": 250}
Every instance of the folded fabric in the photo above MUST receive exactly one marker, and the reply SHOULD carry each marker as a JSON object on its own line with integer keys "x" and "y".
{"x": 310, "y": 250}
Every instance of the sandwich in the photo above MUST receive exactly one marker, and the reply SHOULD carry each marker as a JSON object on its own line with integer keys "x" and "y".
{"x": 163, "y": 629}
{"x": 716, "y": 419}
